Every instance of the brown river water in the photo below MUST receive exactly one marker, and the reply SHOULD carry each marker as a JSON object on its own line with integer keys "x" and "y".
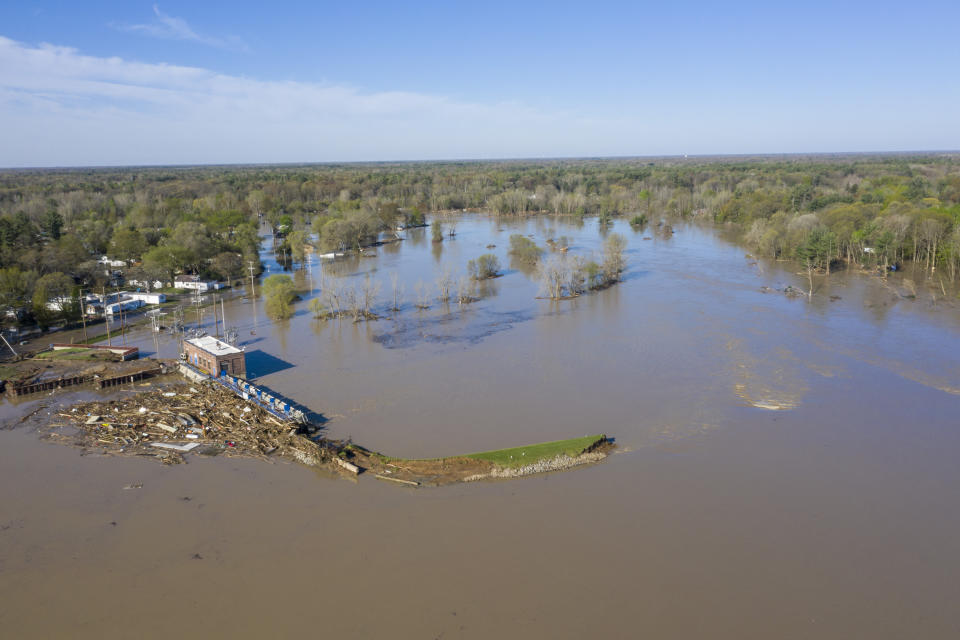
{"x": 836, "y": 516}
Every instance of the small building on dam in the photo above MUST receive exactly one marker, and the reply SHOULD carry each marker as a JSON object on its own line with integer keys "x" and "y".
{"x": 215, "y": 357}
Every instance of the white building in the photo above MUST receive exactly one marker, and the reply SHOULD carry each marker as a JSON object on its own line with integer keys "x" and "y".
{"x": 125, "y": 305}
{"x": 147, "y": 298}
{"x": 147, "y": 284}
{"x": 196, "y": 284}
{"x": 109, "y": 262}
{"x": 57, "y": 304}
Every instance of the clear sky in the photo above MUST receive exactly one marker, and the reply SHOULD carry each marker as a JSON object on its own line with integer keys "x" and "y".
{"x": 127, "y": 82}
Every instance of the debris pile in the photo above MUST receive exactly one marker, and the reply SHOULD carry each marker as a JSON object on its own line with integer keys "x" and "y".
{"x": 204, "y": 418}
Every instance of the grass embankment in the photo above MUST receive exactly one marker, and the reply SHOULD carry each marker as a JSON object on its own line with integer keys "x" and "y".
{"x": 72, "y": 354}
{"x": 523, "y": 456}
{"x": 502, "y": 463}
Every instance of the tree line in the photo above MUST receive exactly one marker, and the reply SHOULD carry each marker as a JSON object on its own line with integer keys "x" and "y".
{"x": 827, "y": 211}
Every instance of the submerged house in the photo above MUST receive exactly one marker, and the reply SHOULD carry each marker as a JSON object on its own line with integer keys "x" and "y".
{"x": 216, "y": 357}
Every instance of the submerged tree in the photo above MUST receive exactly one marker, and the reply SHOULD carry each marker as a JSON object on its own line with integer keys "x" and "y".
{"x": 485, "y": 267}
{"x": 396, "y": 287}
{"x": 423, "y": 295}
{"x": 280, "y": 293}
{"x": 613, "y": 260}
{"x": 444, "y": 283}
{"x": 524, "y": 249}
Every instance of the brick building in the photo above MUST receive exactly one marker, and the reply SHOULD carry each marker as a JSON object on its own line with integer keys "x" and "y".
{"x": 215, "y": 357}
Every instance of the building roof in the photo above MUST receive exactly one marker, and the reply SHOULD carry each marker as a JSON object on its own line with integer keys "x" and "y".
{"x": 213, "y": 346}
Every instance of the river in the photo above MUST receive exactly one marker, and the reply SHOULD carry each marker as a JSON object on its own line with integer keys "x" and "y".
{"x": 834, "y": 516}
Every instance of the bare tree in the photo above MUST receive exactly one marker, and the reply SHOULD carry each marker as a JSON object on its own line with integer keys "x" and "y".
{"x": 332, "y": 293}
{"x": 368, "y": 293}
{"x": 352, "y": 302}
{"x": 423, "y": 295}
{"x": 465, "y": 289}
{"x": 444, "y": 283}
{"x": 397, "y": 288}
{"x": 930, "y": 233}
{"x": 552, "y": 275}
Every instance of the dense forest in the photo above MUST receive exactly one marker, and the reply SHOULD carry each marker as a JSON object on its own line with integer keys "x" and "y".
{"x": 827, "y": 212}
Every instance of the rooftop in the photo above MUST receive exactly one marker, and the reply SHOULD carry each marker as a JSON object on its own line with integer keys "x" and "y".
{"x": 214, "y": 346}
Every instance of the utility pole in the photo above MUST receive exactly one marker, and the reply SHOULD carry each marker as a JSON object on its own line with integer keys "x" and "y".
{"x": 123, "y": 334}
{"x": 253, "y": 296}
{"x": 223, "y": 316}
{"x": 106, "y": 321}
{"x": 83, "y": 316}
{"x": 197, "y": 300}
{"x": 216, "y": 320}
{"x": 253, "y": 291}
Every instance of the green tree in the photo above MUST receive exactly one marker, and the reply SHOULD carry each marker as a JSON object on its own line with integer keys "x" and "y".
{"x": 299, "y": 242}
{"x": 816, "y": 250}
{"x": 165, "y": 260}
{"x": 227, "y": 265}
{"x": 16, "y": 289}
{"x": 613, "y": 261}
{"x": 52, "y": 297}
{"x": 52, "y": 224}
{"x": 127, "y": 244}
{"x": 280, "y": 293}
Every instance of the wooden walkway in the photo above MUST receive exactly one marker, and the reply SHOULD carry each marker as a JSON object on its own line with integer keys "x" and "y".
{"x": 17, "y": 390}
{"x": 124, "y": 378}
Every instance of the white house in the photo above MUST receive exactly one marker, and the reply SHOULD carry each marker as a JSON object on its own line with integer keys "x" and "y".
{"x": 57, "y": 304}
{"x": 109, "y": 262}
{"x": 125, "y": 305}
{"x": 147, "y": 284}
{"x": 147, "y": 298}
{"x": 196, "y": 284}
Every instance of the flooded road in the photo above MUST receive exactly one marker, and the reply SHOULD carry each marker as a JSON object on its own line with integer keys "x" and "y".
{"x": 786, "y": 467}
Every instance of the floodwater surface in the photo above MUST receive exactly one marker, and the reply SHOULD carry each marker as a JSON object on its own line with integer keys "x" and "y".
{"x": 786, "y": 467}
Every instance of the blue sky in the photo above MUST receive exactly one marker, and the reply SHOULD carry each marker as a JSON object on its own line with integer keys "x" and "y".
{"x": 177, "y": 82}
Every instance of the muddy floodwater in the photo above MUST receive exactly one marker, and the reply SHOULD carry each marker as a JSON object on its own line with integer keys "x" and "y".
{"x": 785, "y": 468}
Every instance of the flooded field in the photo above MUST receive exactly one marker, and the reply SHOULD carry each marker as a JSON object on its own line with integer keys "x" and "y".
{"x": 785, "y": 467}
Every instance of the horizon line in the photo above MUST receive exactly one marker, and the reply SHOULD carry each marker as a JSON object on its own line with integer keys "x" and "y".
{"x": 517, "y": 159}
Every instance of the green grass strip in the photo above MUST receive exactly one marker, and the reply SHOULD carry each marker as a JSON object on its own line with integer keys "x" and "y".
{"x": 522, "y": 456}
{"x": 69, "y": 354}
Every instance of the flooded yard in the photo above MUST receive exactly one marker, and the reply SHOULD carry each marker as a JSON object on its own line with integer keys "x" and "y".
{"x": 785, "y": 467}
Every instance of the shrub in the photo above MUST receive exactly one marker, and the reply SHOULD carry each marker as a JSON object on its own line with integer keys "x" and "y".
{"x": 524, "y": 249}
{"x": 484, "y": 267}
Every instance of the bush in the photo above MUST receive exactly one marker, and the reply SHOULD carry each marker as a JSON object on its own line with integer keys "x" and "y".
{"x": 318, "y": 308}
{"x": 484, "y": 267}
{"x": 437, "y": 231}
{"x": 639, "y": 220}
{"x": 524, "y": 249}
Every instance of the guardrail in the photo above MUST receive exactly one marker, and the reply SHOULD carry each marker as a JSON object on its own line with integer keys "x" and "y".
{"x": 277, "y": 407}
